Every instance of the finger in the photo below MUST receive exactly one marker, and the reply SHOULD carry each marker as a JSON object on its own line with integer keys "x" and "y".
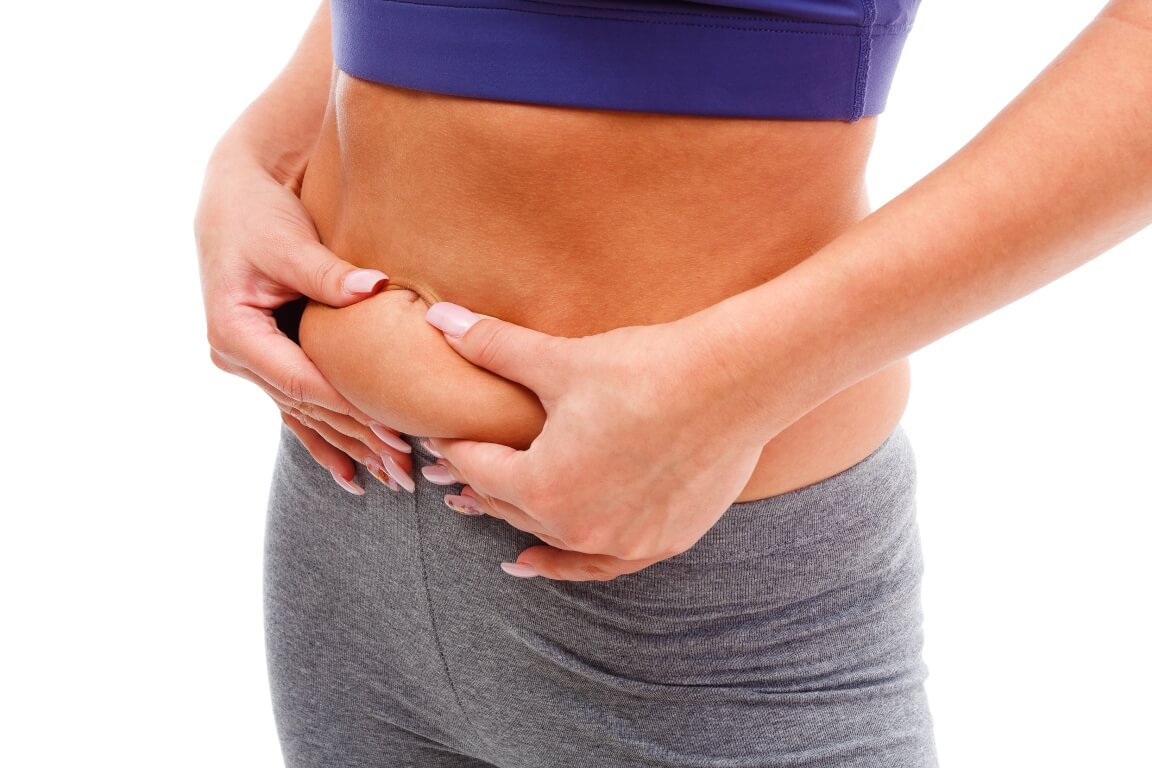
{"x": 386, "y": 435}
{"x": 319, "y": 274}
{"x": 325, "y": 454}
{"x": 471, "y": 502}
{"x": 348, "y": 425}
{"x": 512, "y": 351}
{"x": 253, "y": 343}
{"x": 372, "y": 435}
{"x": 390, "y": 468}
{"x": 354, "y": 449}
{"x": 399, "y": 470}
{"x": 347, "y": 437}
{"x": 491, "y": 468}
{"x": 562, "y": 565}
{"x": 441, "y": 473}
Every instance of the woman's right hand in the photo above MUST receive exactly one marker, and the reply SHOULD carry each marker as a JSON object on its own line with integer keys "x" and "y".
{"x": 258, "y": 250}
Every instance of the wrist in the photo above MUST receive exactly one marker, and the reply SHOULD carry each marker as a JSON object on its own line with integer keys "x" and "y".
{"x": 773, "y": 355}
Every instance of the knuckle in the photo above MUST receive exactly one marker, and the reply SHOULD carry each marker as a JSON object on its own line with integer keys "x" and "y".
{"x": 298, "y": 427}
{"x": 584, "y": 539}
{"x": 311, "y": 410}
{"x": 219, "y": 360}
{"x": 218, "y": 340}
{"x": 640, "y": 550}
{"x": 625, "y": 551}
{"x": 226, "y": 326}
{"x": 490, "y": 343}
{"x": 295, "y": 390}
{"x": 323, "y": 272}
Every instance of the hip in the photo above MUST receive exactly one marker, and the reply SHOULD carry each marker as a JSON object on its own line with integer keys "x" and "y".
{"x": 789, "y": 635}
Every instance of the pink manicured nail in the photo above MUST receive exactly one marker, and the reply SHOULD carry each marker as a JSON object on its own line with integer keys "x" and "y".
{"x": 389, "y": 439}
{"x": 523, "y": 570}
{"x": 347, "y": 485}
{"x": 378, "y": 472}
{"x": 397, "y": 474}
{"x": 450, "y": 318}
{"x": 363, "y": 280}
{"x": 439, "y": 474}
{"x": 430, "y": 448}
{"x": 465, "y": 505}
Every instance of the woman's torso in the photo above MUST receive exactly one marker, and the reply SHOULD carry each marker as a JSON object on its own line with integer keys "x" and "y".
{"x": 572, "y": 222}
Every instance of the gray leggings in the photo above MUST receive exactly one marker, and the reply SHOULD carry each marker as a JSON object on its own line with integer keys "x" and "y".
{"x": 788, "y": 636}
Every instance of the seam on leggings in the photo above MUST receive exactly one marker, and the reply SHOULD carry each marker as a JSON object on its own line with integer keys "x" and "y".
{"x": 432, "y": 621}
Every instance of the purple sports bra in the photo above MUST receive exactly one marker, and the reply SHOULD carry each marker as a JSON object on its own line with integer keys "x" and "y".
{"x": 788, "y": 59}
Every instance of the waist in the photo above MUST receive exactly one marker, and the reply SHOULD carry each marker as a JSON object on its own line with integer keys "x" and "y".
{"x": 571, "y": 222}
{"x": 576, "y": 220}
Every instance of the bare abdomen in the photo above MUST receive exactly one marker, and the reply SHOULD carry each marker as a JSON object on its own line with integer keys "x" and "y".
{"x": 571, "y": 222}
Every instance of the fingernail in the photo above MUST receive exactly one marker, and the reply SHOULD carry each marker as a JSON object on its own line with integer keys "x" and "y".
{"x": 389, "y": 439}
{"x": 450, "y": 318}
{"x": 347, "y": 485}
{"x": 363, "y": 280}
{"x": 378, "y": 472}
{"x": 430, "y": 448}
{"x": 465, "y": 505}
{"x": 523, "y": 570}
{"x": 438, "y": 474}
{"x": 397, "y": 474}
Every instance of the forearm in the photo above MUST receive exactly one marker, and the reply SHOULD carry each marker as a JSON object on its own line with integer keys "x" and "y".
{"x": 1061, "y": 175}
{"x": 279, "y": 129}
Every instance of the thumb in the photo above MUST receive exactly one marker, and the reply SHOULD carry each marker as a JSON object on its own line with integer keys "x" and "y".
{"x": 512, "y": 351}
{"x": 323, "y": 276}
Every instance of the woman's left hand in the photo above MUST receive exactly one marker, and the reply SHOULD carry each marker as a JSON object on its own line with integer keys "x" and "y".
{"x": 645, "y": 445}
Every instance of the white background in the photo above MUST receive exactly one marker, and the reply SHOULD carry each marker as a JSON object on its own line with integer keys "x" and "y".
{"x": 135, "y": 477}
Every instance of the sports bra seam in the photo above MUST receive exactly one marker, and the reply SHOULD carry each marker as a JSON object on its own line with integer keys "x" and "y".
{"x": 858, "y": 31}
{"x": 865, "y": 60}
